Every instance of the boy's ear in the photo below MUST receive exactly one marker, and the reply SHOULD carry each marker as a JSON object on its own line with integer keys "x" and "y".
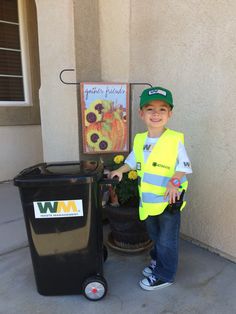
{"x": 140, "y": 112}
{"x": 170, "y": 113}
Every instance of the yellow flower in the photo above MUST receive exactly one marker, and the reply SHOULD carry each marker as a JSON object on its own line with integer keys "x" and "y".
{"x": 118, "y": 159}
{"x": 132, "y": 175}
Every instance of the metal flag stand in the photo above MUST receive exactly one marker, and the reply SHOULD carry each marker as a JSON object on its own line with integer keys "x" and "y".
{"x": 78, "y": 83}
{"x": 130, "y": 109}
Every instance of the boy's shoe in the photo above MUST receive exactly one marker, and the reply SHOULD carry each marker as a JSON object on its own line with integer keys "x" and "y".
{"x": 153, "y": 283}
{"x": 149, "y": 269}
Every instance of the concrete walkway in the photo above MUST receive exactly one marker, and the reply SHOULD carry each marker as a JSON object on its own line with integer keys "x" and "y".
{"x": 205, "y": 282}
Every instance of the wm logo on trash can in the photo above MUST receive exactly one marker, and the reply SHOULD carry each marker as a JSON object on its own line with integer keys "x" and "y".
{"x": 58, "y": 209}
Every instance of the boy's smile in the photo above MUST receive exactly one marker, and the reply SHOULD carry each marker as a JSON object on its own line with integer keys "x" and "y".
{"x": 155, "y": 115}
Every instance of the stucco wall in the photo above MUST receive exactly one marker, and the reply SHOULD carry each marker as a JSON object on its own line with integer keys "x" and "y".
{"x": 21, "y": 148}
{"x": 114, "y": 39}
{"x": 188, "y": 47}
{"x": 68, "y": 38}
{"x": 87, "y": 41}
{"x": 58, "y": 102}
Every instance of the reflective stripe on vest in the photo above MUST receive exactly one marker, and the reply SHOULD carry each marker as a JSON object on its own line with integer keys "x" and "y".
{"x": 159, "y": 180}
{"x": 157, "y": 171}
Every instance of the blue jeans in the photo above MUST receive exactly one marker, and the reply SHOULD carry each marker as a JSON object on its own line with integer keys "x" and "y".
{"x": 164, "y": 229}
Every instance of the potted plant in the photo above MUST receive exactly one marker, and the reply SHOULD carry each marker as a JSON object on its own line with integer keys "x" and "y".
{"x": 128, "y": 233}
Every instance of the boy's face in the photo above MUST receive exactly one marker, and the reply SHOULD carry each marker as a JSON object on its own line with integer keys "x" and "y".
{"x": 156, "y": 114}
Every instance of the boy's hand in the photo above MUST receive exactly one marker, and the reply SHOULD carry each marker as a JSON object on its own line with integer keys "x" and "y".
{"x": 171, "y": 191}
{"x": 116, "y": 173}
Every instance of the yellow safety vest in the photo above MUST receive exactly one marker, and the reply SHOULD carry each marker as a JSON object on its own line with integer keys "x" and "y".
{"x": 157, "y": 171}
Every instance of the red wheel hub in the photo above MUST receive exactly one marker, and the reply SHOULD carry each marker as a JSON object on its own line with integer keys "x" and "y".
{"x": 94, "y": 290}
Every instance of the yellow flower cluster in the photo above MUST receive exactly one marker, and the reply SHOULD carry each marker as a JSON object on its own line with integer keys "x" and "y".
{"x": 118, "y": 159}
{"x": 127, "y": 189}
{"x": 132, "y": 175}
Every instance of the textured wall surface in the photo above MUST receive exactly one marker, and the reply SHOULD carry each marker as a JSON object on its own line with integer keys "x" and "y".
{"x": 190, "y": 47}
{"x": 58, "y": 102}
{"x": 87, "y": 40}
{"x": 114, "y": 39}
{"x": 21, "y": 148}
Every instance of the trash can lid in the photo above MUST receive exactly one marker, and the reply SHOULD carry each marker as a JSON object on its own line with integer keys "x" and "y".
{"x": 60, "y": 173}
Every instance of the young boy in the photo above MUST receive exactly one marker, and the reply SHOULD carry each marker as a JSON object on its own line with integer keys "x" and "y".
{"x": 160, "y": 158}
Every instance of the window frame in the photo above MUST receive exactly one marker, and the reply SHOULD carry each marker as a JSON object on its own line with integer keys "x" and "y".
{"x": 27, "y": 115}
{"x": 24, "y": 49}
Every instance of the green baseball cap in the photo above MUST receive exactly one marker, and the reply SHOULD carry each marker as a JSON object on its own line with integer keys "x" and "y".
{"x": 156, "y": 93}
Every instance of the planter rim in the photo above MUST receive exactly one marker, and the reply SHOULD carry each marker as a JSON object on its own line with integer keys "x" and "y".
{"x": 111, "y": 244}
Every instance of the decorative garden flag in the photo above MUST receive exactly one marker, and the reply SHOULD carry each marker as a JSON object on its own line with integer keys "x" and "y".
{"x": 105, "y": 117}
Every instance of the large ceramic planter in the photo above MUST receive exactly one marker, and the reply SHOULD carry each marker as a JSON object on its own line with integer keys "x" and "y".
{"x": 128, "y": 233}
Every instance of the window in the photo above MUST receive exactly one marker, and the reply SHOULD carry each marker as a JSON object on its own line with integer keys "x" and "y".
{"x": 14, "y": 85}
{"x": 23, "y": 74}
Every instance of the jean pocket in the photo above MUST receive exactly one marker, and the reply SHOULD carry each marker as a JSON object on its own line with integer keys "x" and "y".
{"x": 175, "y": 207}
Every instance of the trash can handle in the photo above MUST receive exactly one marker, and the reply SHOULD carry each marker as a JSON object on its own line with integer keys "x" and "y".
{"x": 105, "y": 180}
{"x": 30, "y": 169}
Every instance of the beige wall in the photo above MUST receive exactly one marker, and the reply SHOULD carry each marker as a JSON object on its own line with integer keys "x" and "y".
{"x": 87, "y": 41}
{"x": 114, "y": 39}
{"x": 68, "y": 38}
{"x": 58, "y": 102}
{"x": 189, "y": 47}
{"x": 21, "y": 148}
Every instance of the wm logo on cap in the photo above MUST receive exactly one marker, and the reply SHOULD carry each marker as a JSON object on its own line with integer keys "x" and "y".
{"x": 157, "y": 91}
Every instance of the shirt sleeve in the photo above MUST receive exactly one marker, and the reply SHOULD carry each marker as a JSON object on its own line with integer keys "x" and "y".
{"x": 130, "y": 160}
{"x": 183, "y": 163}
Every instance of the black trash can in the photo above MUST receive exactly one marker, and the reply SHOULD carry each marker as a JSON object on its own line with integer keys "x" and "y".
{"x": 64, "y": 226}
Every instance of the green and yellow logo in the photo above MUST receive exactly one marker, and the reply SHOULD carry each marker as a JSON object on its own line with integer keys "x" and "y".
{"x": 57, "y": 209}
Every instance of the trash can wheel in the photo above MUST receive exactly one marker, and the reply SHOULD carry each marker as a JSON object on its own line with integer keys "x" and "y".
{"x": 95, "y": 288}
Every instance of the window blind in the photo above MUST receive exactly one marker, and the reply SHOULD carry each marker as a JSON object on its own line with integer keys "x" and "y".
{"x": 11, "y": 75}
